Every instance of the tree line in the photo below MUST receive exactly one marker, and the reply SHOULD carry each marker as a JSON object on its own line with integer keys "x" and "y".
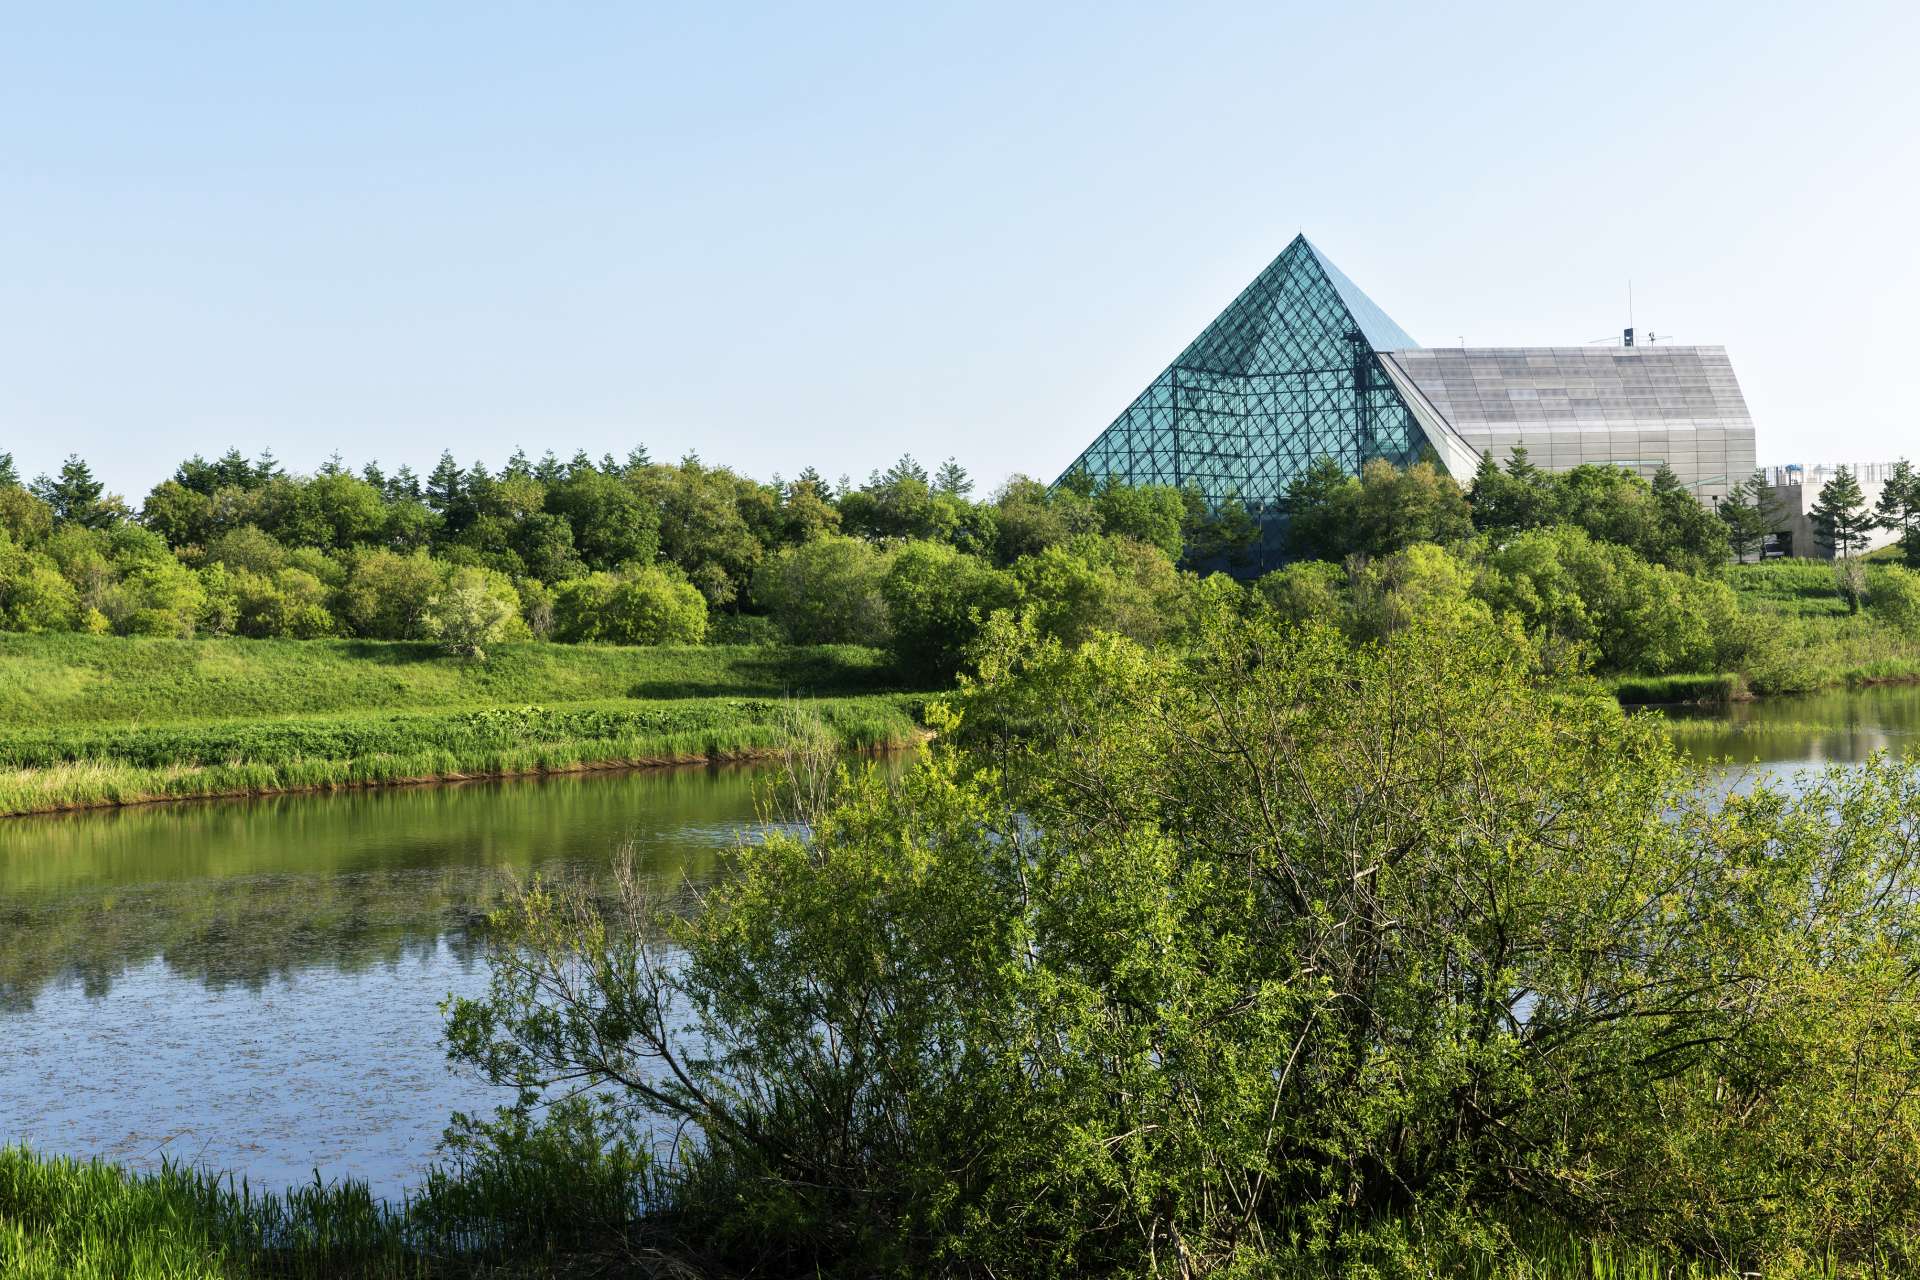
{"x": 615, "y": 550}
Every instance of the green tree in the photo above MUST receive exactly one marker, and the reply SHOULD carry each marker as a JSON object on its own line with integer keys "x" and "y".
{"x": 75, "y": 496}
{"x": 1750, "y": 511}
{"x": 1320, "y": 503}
{"x": 826, "y": 591}
{"x": 8, "y": 475}
{"x": 475, "y": 608}
{"x": 1687, "y": 536}
{"x": 386, "y": 594}
{"x": 1151, "y": 513}
{"x": 1520, "y": 497}
{"x": 938, "y": 599}
{"x": 639, "y": 606}
{"x": 952, "y": 480}
{"x": 1898, "y": 510}
{"x": 1100, "y": 583}
{"x": 1839, "y": 515}
{"x": 1395, "y": 507}
{"x": 611, "y": 525}
{"x": 24, "y": 518}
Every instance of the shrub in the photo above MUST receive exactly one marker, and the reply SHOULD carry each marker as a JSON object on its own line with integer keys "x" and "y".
{"x": 938, "y": 599}
{"x": 1896, "y": 599}
{"x": 1095, "y": 583}
{"x": 646, "y": 606}
{"x": 1246, "y": 950}
{"x": 476, "y": 608}
{"x": 826, "y": 591}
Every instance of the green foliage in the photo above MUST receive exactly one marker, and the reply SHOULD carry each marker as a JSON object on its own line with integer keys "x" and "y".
{"x": 636, "y": 606}
{"x": 826, "y": 591}
{"x": 1305, "y": 591}
{"x": 475, "y": 608}
{"x": 75, "y": 497}
{"x": 1751, "y": 512}
{"x": 1896, "y": 600}
{"x": 1898, "y": 510}
{"x": 1333, "y": 515}
{"x": 1278, "y": 955}
{"x": 1839, "y": 515}
{"x": 1096, "y": 583}
{"x": 938, "y": 600}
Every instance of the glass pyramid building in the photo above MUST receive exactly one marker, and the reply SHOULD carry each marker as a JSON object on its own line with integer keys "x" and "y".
{"x": 1285, "y": 375}
{"x": 1302, "y": 365}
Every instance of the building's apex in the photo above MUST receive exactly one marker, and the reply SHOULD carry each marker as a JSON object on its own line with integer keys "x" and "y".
{"x": 1378, "y": 327}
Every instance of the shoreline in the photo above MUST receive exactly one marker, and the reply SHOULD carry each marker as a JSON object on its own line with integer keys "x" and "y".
{"x": 457, "y": 778}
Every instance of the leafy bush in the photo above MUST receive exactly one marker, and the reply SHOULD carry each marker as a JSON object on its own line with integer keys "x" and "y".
{"x": 477, "y": 607}
{"x": 636, "y": 606}
{"x": 826, "y": 591}
{"x": 1238, "y": 957}
{"x": 938, "y": 599}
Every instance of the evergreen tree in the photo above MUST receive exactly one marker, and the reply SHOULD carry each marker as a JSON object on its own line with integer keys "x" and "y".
{"x": 74, "y": 495}
{"x": 952, "y": 479}
{"x": 1751, "y": 512}
{"x": 638, "y": 459}
{"x": 1519, "y": 497}
{"x": 403, "y": 486}
{"x": 1686, "y": 536}
{"x": 812, "y": 476}
{"x": 1840, "y": 519}
{"x": 549, "y": 471}
{"x": 7, "y": 474}
{"x": 374, "y": 476}
{"x": 517, "y": 465}
{"x": 444, "y": 487}
{"x": 1898, "y": 511}
{"x": 1320, "y": 505}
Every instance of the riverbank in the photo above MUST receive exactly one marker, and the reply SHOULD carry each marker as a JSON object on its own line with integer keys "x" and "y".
{"x": 88, "y": 1221}
{"x": 97, "y": 721}
{"x": 46, "y": 770}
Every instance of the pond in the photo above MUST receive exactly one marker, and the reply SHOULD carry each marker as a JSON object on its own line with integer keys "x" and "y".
{"x": 255, "y": 986}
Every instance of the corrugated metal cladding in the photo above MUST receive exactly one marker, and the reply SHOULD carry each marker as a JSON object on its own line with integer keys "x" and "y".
{"x": 1635, "y": 407}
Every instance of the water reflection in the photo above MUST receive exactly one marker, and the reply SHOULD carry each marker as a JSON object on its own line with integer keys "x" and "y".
{"x": 1835, "y": 727}
{"x": 255, "y": 986}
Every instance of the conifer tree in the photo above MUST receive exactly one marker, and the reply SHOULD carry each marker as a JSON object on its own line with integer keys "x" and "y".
{"x": 1751, "y": 512}
{"x": 74, "y": 495}
{"x": 1840, "y": 519}
{"x": 444, "y": 483}
{"x": 952, "y": 479}
{"x": 7, "y": 474}
{"x": 1898, "y": 511}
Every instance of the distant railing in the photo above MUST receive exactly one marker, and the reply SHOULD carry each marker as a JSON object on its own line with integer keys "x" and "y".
{"x": 1795, "y": 473}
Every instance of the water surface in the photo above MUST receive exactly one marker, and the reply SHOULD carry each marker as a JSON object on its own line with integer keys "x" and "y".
{"x": 254, "y": 986}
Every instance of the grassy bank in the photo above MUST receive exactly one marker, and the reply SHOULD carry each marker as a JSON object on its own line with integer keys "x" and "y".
{"x": 45, "y": 769}
{"x": 85, "y": 1221}
{"x": 76, "y": 679}
{"x": 103, "y": 720}
{"x": 1813, "y": 641}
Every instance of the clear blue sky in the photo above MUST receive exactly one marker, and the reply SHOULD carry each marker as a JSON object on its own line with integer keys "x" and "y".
{"x": 812, "y": 234}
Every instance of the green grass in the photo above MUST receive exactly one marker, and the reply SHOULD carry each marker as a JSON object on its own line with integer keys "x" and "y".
{"x": 89, "y": 1221}
{"x": 103, "y": 720}
{"x": 1722, "y": 687}
{"x": 76, "y": 679}
{"x": 45, "y": 769}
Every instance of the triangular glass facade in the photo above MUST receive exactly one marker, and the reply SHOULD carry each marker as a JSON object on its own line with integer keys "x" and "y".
{"x": 1285, "y": 375}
